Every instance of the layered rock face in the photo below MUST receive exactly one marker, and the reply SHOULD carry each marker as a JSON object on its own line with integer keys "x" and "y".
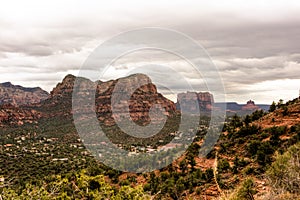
{"x": 132, "y": 97}
{"x": 126, "y": 95}
{"x": 135, "y": 94}
{"x": 59, "y": 102}
{"x": 17, "y": 95}
{"x": 193, "y": 102}
{"x": 11, "y": 115}
{"x": 63, "y": 89}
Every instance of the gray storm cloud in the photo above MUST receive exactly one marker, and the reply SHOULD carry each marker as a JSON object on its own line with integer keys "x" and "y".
{"x": 255, "y": 45}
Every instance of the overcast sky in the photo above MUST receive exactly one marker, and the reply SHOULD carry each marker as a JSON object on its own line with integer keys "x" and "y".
{"x": 255, "y": 44}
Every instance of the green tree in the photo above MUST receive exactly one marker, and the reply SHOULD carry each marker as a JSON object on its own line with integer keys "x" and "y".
{"x": 272, "y": 107}
{"x": 280, "y": 103}
{"x": 247, "y": 120}
{"x": 285, "y": 110}
{"x": 236, "y": 121}
{"x": 183, "y": 166}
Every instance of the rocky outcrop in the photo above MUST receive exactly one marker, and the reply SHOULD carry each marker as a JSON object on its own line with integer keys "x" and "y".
{"x": 65, "y": 88}
{"x": 193, "y": 102}
{"x": 17, "y": 95}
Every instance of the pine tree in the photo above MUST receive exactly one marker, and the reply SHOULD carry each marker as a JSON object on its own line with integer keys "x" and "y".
{"x": 272, "y": 107}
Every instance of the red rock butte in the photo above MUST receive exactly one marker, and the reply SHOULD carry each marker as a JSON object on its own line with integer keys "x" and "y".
{"x": 250, "y": 106}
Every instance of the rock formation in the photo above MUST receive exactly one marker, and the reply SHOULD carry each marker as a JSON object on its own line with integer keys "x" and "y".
{"x": 139, "y": 102}
{"x": 193, "y": 101}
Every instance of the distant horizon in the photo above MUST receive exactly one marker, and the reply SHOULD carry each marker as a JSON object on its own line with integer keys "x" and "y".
{"x": 227, "y": 100}
{"x": 254, "y": 45}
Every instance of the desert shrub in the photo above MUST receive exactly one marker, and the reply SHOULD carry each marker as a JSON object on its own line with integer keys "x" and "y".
{"x": 264, "y": 154}
{"x": 272, "y": 107}
{"x": 246, "y": 190}
{"x": 238, "y": 163}
{"x": 236, "y": 121}
{"x": 198, "y": 191}
{"x": 252, "y": 147}
{"x": 285, "y": 110}
{"x": 284, "y": 173}
{"x": 264, "y": 135}
{"x": 278, "y": 196}
{"x": 257, "y": 115}
{"x": 209, "y": 174}
{"x": 249, "y": 170}
{"x": 125, "y": 182}
{"x": 76, "y": 186}
{"x": 223, "y": 165}
{"x": 295, "y": 129}
{"x": 247, "y": 130}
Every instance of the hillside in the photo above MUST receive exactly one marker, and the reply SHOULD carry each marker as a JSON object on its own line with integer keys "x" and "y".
{"x": 42, "y": 153}
{"x": 249, "y": 145}
{"x": 242, "y": 156}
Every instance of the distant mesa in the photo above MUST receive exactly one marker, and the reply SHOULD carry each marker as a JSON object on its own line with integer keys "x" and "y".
{"x": 250, "y": 106}
{"x": 17, "y": 95}
{"x": 193, "y": 102}
{"x": 241, "y": 109}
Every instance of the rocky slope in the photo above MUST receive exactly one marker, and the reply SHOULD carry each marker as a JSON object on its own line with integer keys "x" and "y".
{"x": 17, "y": 95}
{"x": 286, "y": 115}
{"x": 251, "y": 146}
{"x": 245, "y": 152}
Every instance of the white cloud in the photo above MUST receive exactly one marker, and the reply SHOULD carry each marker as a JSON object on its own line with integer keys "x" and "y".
{"x": 254, "y": 44}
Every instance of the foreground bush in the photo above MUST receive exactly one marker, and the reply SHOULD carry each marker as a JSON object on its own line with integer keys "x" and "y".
{"x": 284, "y": 173}
{"x": 244, "y": 192}
{"x": 79, "y": 186}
